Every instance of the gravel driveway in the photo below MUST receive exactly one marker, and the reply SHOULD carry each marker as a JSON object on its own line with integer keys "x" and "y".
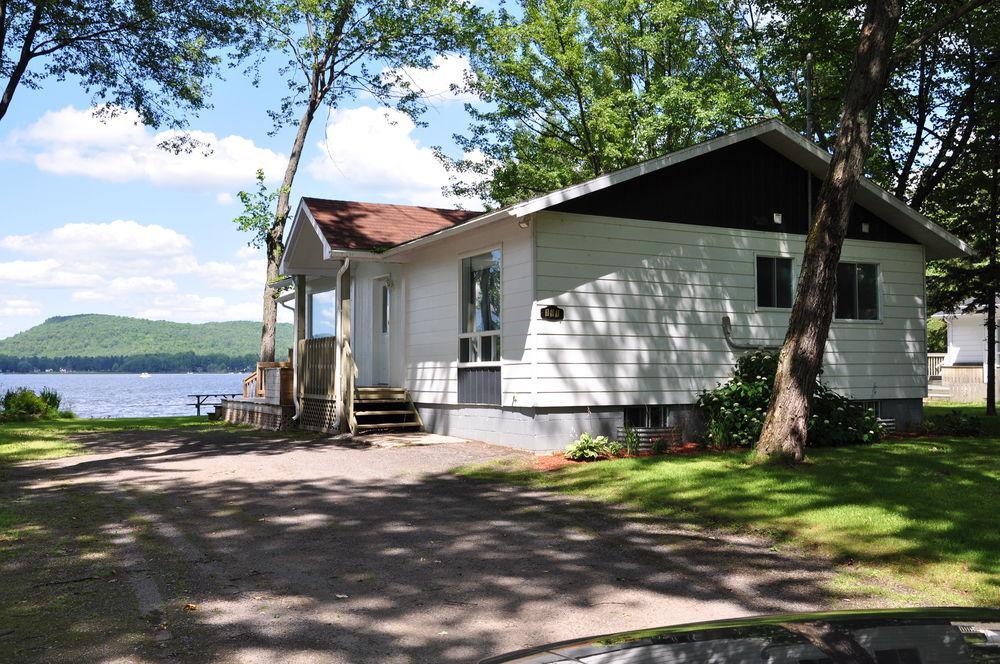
{"x": 242, "y": 547}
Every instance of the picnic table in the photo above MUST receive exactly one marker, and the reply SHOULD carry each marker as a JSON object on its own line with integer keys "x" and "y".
{"x": 203, "y": 399}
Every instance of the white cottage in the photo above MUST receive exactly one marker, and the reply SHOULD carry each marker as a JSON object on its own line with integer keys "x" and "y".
{"x": 600, "y": 303}
{"x": 963, "y": 369}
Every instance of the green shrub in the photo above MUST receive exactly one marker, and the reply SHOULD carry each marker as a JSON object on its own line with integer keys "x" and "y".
{"x": 954, "y": 423}
{"x": 734, "y": 411}
{"x": 22, "y": 403}
{"x": 50, "y": 397}
{"x": 660, "y": 445}
{"x": 588, "y": 448}
{"x": 631, "y": 440}
{"x": 615, "y": 448}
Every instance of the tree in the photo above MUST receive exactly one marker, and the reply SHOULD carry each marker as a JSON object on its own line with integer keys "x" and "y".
{"x": 969, "y": 206}
{"x": 923, "y": 120}
{"x": 336, "y": 49}
{"x": 152, "y": 56}
{"x": 785, "y": 426}
{"x": 572, "y": 89}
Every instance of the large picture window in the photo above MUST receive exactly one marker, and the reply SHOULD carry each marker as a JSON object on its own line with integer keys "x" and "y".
{"x": 774, "y": 282}
{"x": 323, "y": 314}
{"x": 857, "y": 291}
{"x": 482, "y": 296}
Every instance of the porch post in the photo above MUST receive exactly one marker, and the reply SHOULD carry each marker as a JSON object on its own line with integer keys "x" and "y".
{"x": 345, "y": 390}
{"x": 298, "y": 349}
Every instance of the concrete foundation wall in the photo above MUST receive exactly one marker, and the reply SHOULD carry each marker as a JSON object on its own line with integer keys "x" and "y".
{"x": 908, "y": 413}
{"x": 542, "y": 429}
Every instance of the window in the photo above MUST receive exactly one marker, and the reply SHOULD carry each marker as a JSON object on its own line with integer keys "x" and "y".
{"x": 385, "y": 308}
{"x": 857, "y": 291}
{"x": 323, "y": 314}
{"x": 774, "y": 282}
{"x": 482, "y": 296}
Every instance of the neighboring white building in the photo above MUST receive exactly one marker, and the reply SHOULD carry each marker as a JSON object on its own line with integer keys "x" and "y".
{"x": 963, "y": 369}
{"x": 603, "y": 302}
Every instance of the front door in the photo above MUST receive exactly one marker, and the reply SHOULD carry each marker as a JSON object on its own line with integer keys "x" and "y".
{"x": 381, "y": 307}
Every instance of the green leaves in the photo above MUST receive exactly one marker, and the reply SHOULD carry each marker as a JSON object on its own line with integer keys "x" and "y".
{"x": 153, "y": 56}
{"x": 576, "y": 88}
{"x": 258, "y": 211}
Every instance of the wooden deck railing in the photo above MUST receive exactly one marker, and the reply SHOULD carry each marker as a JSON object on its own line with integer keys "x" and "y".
{"x": 254, "y": 385}
{"x": 318, "y": 363}
{"x": 934, "y": 361}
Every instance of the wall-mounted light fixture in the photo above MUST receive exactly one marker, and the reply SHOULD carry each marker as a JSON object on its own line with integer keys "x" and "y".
{"x": 552, "y": 312}
{"x": 524, "y": 222}
{"x": 777, "y": 217}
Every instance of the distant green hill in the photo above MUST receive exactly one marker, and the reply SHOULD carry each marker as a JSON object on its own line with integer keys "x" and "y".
{"x": 114, "y": 339}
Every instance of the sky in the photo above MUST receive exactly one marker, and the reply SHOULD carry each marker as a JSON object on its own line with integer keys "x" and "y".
{"x": 96, "y": 218}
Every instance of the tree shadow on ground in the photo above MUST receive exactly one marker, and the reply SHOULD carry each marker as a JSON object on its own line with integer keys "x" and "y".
{"x": 406, "y": 566}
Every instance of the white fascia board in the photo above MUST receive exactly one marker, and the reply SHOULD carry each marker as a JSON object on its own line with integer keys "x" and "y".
{"x": 774, "y": 133}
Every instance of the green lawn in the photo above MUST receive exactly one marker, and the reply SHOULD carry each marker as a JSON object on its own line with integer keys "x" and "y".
{"x": 50, "y": 439}
{"x": 906, "y": 521}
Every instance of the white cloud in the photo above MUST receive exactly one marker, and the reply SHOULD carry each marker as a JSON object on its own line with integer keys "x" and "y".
{"x": 18, "y": 307}
{"x": 47, "y": 273}
{"x": 192, "y": 308}
{"x": 123, "y": 287}
{"x": 115, "y": 239}
{"x": 444, "y": 81}
{"x": 224, "y": 198}
{"x": 71, "y": 141}
{"x": 373, "y": 149}
{"x": 246, "y": 251}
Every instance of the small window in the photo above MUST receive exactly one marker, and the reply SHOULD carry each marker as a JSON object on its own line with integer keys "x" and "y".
{"x": 323, "y": 314}
{"x": 385, "y": 308}
{"x": 774, "y": 282}
{"x": 857, "y": 291}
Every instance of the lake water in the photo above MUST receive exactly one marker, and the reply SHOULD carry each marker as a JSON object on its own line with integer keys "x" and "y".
{"x": 127, "y": 395}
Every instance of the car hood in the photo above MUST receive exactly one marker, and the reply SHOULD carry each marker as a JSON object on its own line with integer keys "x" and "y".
{"x": 909, "y": 636}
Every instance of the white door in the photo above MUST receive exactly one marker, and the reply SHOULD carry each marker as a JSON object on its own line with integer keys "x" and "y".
{"x": 382, "y": 305}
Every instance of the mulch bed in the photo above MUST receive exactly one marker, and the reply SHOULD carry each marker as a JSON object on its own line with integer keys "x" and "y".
{"x": 556, "y": 460}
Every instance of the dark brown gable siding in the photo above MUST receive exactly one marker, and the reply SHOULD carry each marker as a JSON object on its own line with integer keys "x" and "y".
{"x": 739, "y": 186}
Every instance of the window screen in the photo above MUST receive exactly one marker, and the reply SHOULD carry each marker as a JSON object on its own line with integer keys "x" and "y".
{"x": 774, "y": 282}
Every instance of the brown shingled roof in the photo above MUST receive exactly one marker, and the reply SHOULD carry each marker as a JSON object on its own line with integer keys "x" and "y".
{"x": 366, "y": 226}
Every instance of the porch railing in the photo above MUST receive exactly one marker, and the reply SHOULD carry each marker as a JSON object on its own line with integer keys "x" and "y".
{"x": 934, "y": 361}
{"x": 255, "y": 386}
{"x": 318, "y": 362}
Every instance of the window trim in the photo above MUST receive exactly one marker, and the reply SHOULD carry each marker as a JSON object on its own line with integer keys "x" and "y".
{"x": 795, "y": 278}
{"x": 879, "y": 288}
{"x": 461, "y": 310}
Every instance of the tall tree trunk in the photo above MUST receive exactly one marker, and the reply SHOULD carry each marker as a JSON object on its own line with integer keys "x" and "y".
{"x": 785, "y": 428}
{"x": 24, "y": 57}
{"x": 275, "y": 236}
{"x": 992, "y": 219}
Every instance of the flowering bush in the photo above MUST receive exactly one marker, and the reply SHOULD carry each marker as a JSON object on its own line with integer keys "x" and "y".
{"x": 734, "y": 412}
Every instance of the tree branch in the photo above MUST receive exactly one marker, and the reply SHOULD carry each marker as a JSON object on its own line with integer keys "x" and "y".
{"x": 906, "y": 51}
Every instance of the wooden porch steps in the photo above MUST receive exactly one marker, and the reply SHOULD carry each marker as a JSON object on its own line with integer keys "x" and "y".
{"x": 384, "y": 409}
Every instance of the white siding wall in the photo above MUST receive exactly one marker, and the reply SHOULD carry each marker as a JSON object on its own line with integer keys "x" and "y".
{"x": 432, "y": 313}
{"x": 966, "y": 340}
{"x": 644, "y": 302}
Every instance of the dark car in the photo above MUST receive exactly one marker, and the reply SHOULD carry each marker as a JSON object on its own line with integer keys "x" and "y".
{"x": 912, "y": 636}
